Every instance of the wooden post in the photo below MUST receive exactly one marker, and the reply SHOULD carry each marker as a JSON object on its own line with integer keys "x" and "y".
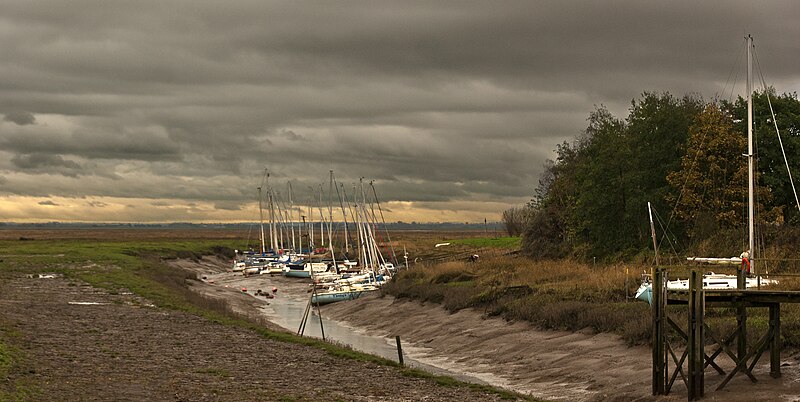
{"x": 399, "y": 350}
{"x": 695, "y": 336}
{"x": 659, "y": 314}
{"x": 741, "y": 321}
{"x": 775, "y": 346}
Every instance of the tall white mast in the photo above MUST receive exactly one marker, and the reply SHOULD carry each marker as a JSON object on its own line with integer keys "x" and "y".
{"x": 330, "y": 224}
{"x": 273, "y": 229}
{"x": 321, "y": 218}
{"x": 261, "y": 220}
{"x": 344, "y": 218}
{"x": 750, "y": 156}
{"x": 291, "y": 214}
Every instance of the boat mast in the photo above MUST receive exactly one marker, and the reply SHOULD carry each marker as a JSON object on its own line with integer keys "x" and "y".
{"x": 750, "y": 156}
{"x": 273, "y": 228}
{"x": 330, "y": 224}
{"x": 291, "y": 215}
{"x": 344, "y": 218}
{"x": 321, "y": 218}
{"x": 383, "y": 221}
{"x": 652, "y": 231}
{"x": 261, "y": 220}
{"x": 280, "y": 222}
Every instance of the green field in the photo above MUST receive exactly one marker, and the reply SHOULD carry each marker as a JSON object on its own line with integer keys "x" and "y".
{"x": 511, "y": 243}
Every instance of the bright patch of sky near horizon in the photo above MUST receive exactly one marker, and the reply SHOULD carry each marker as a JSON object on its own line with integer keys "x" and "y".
{"x": 170, "y": 110}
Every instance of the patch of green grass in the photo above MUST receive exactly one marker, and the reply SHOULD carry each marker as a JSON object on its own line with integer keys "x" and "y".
{"x": 5, "y": 360}
{"x": 490, "y": 242}
{"x": 16, "y": 387}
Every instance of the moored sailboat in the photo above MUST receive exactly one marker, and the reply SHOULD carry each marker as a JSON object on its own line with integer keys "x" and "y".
{"x": 748, "y": 273}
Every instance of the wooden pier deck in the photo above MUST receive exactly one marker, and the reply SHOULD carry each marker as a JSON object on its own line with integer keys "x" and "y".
{"x": 691, "y": 363}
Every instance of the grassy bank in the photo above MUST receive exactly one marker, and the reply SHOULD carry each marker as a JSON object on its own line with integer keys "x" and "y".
{"x": 563, "y": 295}
{"x": 551, "y": 295}
{"x": 137, "y": 266}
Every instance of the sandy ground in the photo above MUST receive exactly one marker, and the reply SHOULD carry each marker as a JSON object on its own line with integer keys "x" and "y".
{"x": 553, "y": 365}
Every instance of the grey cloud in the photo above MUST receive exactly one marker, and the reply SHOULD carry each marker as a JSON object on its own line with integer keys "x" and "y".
{"x": 228, "y": 206}
{"x": 46, "y": 163}
{"x": 21, "y": 118}
{"x": 435, "y": 101}
{"x": 93, "y": 145}
{"x": 48, "y": 203}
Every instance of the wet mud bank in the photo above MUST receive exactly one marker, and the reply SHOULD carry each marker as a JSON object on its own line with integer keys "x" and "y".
{"x": 554, "y": 365}
{"x": 81, "y": 343}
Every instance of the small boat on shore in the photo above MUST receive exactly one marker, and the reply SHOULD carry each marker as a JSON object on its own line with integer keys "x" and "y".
{"x": 341, "y": 292}
{"x": 711, "y": 281}
{"x": 303, "y": 269}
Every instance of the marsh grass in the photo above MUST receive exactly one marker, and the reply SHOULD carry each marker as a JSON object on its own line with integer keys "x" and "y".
{"x": 564, "y": 295}
{"x": 550, "y": 294}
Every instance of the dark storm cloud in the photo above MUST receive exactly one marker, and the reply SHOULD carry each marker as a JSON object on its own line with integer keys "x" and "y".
{"x": 46, "y": 163}
{"x": 20, "y": 118}
{"x": 127, "y": 144}
{"x": 435, "y": 101}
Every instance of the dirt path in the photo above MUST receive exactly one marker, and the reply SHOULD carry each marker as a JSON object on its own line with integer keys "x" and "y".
{"x": 82, "y": 343}
{"x": 547, "y": 364}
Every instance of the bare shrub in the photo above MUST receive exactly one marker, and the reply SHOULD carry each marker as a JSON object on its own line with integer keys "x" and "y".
{"x": 515, "y": 220}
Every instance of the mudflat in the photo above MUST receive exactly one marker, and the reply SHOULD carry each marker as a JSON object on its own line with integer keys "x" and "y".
{"x": 552, "y": 365}
{"x": 83, "y": 343}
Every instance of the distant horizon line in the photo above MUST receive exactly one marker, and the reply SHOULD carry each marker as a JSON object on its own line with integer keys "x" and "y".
{"x": 239, "y": 223}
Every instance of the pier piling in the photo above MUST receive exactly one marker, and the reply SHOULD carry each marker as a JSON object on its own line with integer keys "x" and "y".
{"x": 399, "y": 350}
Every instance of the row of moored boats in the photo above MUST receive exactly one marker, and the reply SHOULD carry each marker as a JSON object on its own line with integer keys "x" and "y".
{"x": 335, "y": 274}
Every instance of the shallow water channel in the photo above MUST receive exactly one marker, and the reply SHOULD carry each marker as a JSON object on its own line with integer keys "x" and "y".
{"x": 287, "y": 307}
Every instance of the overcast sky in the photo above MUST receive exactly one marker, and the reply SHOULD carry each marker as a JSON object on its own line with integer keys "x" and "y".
{"x": 163, "y": 110}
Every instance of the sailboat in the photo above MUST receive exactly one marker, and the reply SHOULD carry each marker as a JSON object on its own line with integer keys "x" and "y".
{"x": 713, "y": 280}
{"x": 374, "y": 269}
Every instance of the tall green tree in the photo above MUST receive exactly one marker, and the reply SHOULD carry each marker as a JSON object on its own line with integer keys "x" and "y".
{"x": 603, "y": 190}
{"x": 710, "y": 188}
{"x": 770, "y": 162}
{"x": 658, "y": 129}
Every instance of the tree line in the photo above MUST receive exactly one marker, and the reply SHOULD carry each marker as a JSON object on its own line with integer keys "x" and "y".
{"x": 685, "y": 156}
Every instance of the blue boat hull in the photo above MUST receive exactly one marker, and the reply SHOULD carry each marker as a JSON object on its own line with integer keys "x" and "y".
{"x": 327, "y": 298}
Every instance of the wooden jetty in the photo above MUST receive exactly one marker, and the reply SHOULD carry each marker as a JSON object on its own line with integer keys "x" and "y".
{"x": 693, "y": 361}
